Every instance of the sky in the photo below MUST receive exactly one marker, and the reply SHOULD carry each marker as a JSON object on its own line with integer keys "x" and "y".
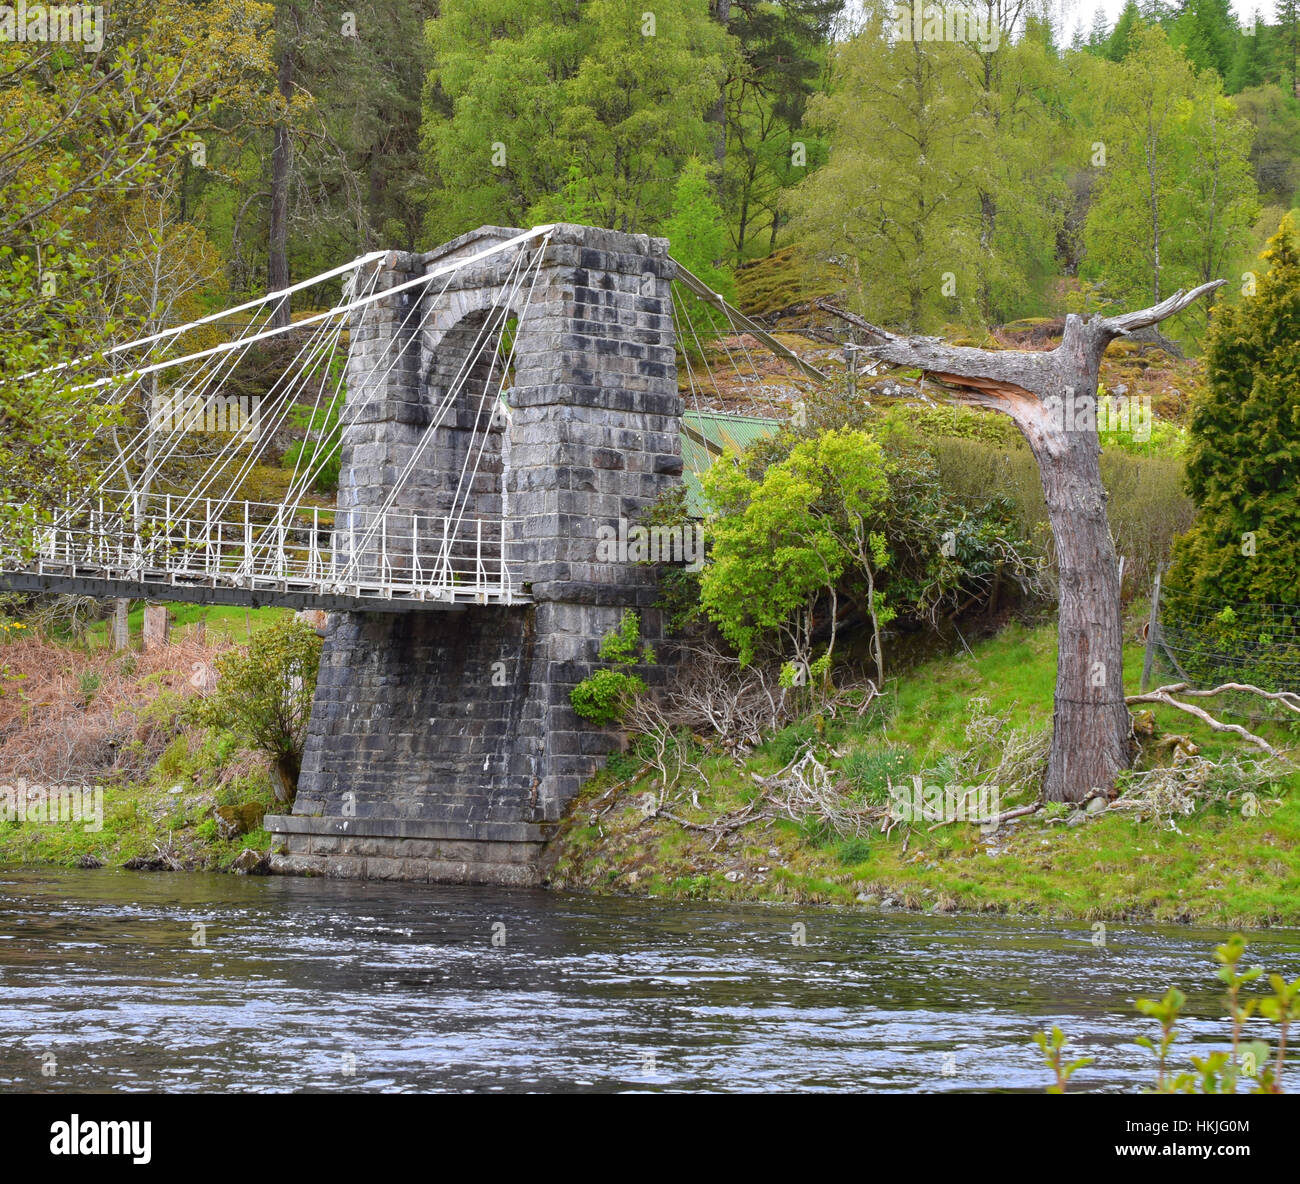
{"x": 1075, "y": 13}
{"x": 1072, "y": 14}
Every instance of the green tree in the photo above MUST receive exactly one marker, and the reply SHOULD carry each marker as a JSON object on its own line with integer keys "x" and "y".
{"x": 81, "y": 132}
{"x": 1121, "y": 40}
{"x": 1243, "y": 459}
{"x": 1207, "y": 32}
{"x": 697, "y": 236}
{"x": 1099, "y": 33}
{"x": 897, "y": 199}
{"x": 783, "y": 541}
{"x": 264, "y": 695}
{"x": 1288, "y": 23}
{"x": 1275, "y": 149}
{"x": 316, "y": 458}
{"x": 1250, "y": 58}
{"x": 521, "y": 90}
{"x": 1175, "y": 199}
{"x": 1022, "y": 200}
{"x": 780, "y": 61}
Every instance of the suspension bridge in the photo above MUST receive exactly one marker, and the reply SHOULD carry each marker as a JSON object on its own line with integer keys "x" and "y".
{"x": 490, "y": 406}
{"x": 164, "y": 526}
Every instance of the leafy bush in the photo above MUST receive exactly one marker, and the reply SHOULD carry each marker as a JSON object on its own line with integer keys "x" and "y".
{"x": 264, "y": 695}
{"x": 782, "y": 541}
{"x": 621, "y": 765}
{"x": 623, "y": 645}
{"x": 604, "y": 696}
{"x": 819, "y": 518}
{"x": 853, "y": 851}
{"x": 1146, "y": 505}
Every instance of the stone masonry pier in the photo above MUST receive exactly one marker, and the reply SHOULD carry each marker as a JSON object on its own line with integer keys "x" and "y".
{"x": 442, "y": 745}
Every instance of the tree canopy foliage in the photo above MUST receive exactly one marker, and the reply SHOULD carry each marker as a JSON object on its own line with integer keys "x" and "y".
{"x": 1243, "y": 463}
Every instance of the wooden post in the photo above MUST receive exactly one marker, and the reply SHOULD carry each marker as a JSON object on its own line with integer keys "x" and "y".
{"x": 157, "y": 626}
{"x": 1153, "y": 629}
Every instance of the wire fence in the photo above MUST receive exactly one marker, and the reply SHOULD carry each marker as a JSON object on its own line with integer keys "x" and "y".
{"x": 1206, "y": 642}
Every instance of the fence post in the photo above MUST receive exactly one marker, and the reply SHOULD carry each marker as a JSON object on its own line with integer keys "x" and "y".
{"x": 1153, "y": 626}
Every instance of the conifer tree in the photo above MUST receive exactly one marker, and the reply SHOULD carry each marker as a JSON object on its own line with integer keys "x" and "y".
{"x": 1243, "y": 466}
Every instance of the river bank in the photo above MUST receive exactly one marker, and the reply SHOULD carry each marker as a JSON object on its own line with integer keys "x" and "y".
{"x": 180, "y": 798}
{"x": 1225, "y": 854}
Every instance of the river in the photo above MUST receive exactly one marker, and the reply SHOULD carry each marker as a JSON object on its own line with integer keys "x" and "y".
{"x": 114, "y": 980}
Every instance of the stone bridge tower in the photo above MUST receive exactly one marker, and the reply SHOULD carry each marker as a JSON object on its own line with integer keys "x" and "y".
{"x": 442, "y": 743}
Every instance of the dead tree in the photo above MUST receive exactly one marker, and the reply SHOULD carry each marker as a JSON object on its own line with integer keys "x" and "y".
{"x": 1052, "y": 398}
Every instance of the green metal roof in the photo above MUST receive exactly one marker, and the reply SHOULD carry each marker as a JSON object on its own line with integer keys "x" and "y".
{"x": 706, "y": 435}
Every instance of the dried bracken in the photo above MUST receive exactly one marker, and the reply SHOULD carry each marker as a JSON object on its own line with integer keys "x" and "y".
{"x": 70, "y": 716}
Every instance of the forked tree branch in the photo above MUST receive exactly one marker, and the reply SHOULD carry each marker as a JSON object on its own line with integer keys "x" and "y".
{"x": 1005, "y": 379}
{"x": 992, "y": 370}
{"x": 1130, "y": 322}
{"x": 1166, "y": 695}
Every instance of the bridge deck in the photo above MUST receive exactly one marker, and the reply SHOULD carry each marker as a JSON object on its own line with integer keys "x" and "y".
{"x": 258, "y": 593}
{"x": 255, "y": 555}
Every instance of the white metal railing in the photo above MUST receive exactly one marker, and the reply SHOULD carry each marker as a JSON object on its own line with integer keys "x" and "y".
{"x": 258, "y": 546}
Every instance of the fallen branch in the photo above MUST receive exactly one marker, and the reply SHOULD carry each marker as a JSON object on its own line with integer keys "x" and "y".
{"x": 806, "y": 787}
{"x": 723, "y": 826}
{"x": 993, "y": 823}
{"x": 1166, "y": 695}
{"x": 617, "y": 786}
{"x": 1289, "y": 699}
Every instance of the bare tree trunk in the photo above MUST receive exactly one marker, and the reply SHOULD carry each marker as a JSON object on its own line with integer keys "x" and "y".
{"x": 277, "y": 269}
{"x": 157, "y": 626}
{"x": 1090, "y": 724}
{"x": 721, "y": 11}
{"x": 1052, "y": 398}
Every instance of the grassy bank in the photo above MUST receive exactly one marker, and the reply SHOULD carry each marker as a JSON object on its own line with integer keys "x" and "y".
{"x": 1234, "y": 861}
{"x": 175, "y": 795}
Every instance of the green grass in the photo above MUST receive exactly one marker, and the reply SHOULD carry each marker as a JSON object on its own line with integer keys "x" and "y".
{"x": 222, "y": 622}
{"x": 1217, "y": 866}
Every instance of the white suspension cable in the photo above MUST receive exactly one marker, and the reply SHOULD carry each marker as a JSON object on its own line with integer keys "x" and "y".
{"x": 261, "y": 302}
{"x": 344, "y": 308}
{"x": 431, "y": 431}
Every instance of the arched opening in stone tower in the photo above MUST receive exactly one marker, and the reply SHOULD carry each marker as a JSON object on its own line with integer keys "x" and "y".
{"x": 466, "y": 373}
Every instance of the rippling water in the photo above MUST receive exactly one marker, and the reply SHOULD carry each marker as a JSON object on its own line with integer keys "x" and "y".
{"x": 328, "y": 985}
